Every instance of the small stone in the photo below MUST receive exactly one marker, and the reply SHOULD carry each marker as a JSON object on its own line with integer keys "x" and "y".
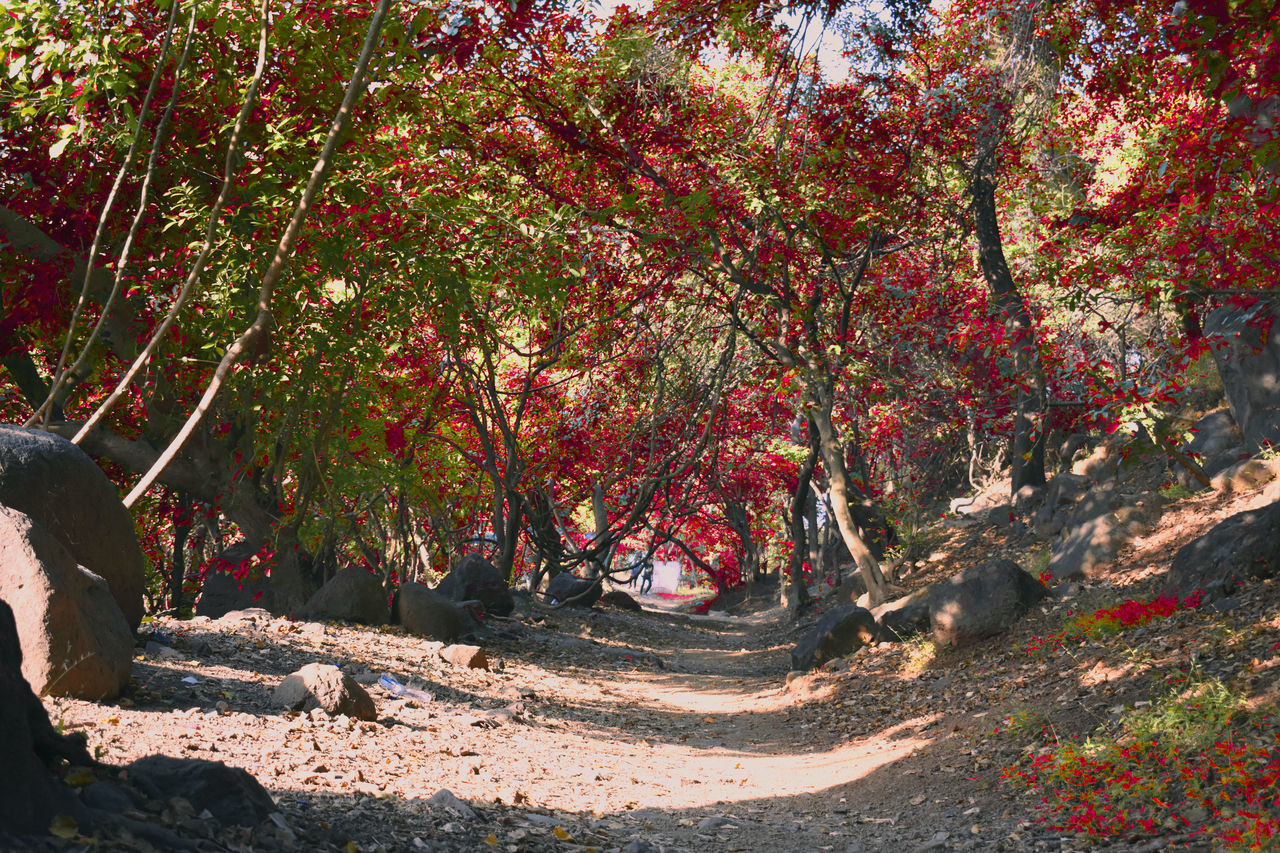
{"x": 445, "y": 799}
{"x": 468, "y": 656}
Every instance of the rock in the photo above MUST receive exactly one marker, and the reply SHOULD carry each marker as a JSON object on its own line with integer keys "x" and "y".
{"x": 1214, "y": 433}
{"x": 63, "y": 491}
{"x": 1026, "y": 498}
{"x": 850, "y": 588}
{"x": 1247, "y": 352}
{"x": 566, "y": 588}
{"x": 319, "y": 685}
{"x": 75, "y": 640}
{"x": 472, "y": 657}
{"x": 1063, "y": 591}
{"x": 1091, "y": 545}
{"x": 421, "y": 611}
{"x": 352, "y": 595}
{"x": 905, "y": 616}
{"x": 230, "y": 794}
{"x": 619, "y": 600}
{"x": 251, "y": 616}
{"x": 30, "y": 794}
{"x": 109, "y": 796}
{"x": 1066, "y": 488}
{"x": 475, "y": 578}
{"x": 1244, "y": 546}
{"x": 1001, "y": 516}
{"x": 444, "y": 799}
{"x": 1093, "y": 503}
{"x": 839, "y": 632}
{"x": 222, "y": 593}
{"x": 639, "y": 845}
{"x": 981, "y": 602}
{"x": 1246, "y": 475}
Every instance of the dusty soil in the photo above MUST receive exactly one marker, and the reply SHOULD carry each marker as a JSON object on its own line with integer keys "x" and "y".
{"x": 611, "y": 730}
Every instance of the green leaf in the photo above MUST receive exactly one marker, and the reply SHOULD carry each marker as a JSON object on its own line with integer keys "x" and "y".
{"x": 56, "y": 149}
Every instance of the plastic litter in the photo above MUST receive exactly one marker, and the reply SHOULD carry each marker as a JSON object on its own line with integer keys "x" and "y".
{"x": 393, "y": 685}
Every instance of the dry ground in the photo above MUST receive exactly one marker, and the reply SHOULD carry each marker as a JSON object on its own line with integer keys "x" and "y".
{"x": 654, "y": 731}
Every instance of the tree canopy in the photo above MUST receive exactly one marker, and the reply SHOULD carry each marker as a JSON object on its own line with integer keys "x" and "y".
{"x": 378, "y": 284}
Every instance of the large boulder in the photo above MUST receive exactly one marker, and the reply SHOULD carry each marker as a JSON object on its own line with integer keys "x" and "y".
{"x": 1090, "y": 546}
{"x": 1244, "y": 546}
{"x": 905, "y": 616}
{"x": 353, "y": 595}
{"x": 619, "y": 600}
{"x": 841, "y": 631}
{"x": 229, "y": 793}
{"x": 569, "y": 589}
{"x": 1246, "y": 349}
{"x": 75, "y": 640}
{"x": 319, "y": 685}
{"x": 1213, "y": 433}
{"x": 223, "y": 593}
{"x": 30, "y": 794}
{"x": 65, "y": 492}
{"x": 981, "y": 602}
{"x": 1216, "y": 443}
{"x": 425, "y": 613}
{"x": 474, "y": 578}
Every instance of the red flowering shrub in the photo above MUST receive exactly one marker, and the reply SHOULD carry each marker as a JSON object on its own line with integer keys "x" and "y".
{"x": 1188, "y": 765}
{"x": 1128, "y": 614}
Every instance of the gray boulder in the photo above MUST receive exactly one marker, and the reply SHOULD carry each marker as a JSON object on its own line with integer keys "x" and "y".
{"x": 223, "y": 593}
{"x": 63, "y": 491}
{"x": 1246, "y": 349}
{"x": 981, "y": 602}
{"x": 1244, "y": 546}
{"x": 319, "y": 685}
{"x": 1216, "y": 443}
{"x": 905, "y": 616}
{"x": 474, "y": 578}
{"x": 352, "y": 595}
{"x": 619, "y": 600}
{"x": 576, "y": 592}
{"x": 230, "y": 794}
{"x": 1094, "y": 503}
{"x": 425, "y": 613}
{"x": 75, "y": 640}
{"x": 841, "y": 631}
{"x": 1088, "y": 547}
{"x": 1214, "y": 433}
{"x": 30, "y": 794}
{"x": 1084, "y": 548}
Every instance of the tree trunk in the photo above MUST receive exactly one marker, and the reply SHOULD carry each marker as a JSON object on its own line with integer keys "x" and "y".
{"x": 839, "y": 489}
{"x": 736, "y": 514}
{"x": 797, "y": 589}
{"x": 178, "y": 568}
{"x": 813, "y": 537}
{"x": 1028, "y": 426}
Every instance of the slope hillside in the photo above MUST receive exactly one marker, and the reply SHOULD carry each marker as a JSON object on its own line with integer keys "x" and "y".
{"x": 664, "y": 732}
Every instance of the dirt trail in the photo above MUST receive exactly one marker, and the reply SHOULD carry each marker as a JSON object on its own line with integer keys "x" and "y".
{"x": 619, "y": 731}
{"x": 606, "y": 730}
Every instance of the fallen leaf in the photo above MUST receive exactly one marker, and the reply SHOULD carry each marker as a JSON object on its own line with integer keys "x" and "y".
{"x": 561, "y": 834}
{"x": 80, "y": 777}
{"x": 64, "y": 826}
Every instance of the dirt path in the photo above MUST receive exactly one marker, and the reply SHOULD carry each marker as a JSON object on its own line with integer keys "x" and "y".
{"x": 605, "y": 730}
{"x": 612, "y": 730}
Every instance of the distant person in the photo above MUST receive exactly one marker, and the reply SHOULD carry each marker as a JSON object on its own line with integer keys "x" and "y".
{"x": 646, "y": 577}
{"x": 636, "y": 568}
